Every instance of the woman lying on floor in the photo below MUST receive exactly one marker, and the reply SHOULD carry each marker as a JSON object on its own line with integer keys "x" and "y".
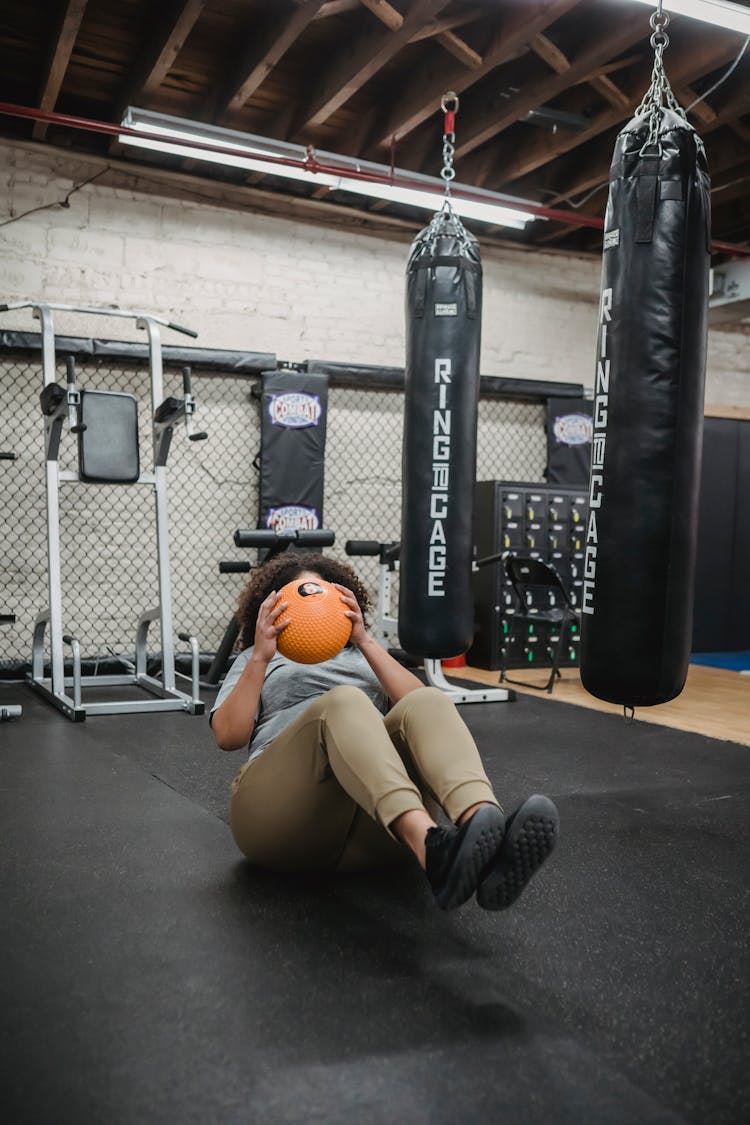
{"x": 351, "y": 760}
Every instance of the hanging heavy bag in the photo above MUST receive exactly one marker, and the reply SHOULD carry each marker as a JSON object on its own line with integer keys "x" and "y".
{"x": 648, "y": 408}
{"x": 443, "y": 326}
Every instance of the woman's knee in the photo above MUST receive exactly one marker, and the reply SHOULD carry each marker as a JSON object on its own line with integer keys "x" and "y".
{"x": 345, "y": 697}
{"x": 298, "y": 826}
{"x": 430, "y": 700}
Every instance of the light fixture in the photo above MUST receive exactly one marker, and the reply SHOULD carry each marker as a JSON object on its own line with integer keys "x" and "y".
{"x": 720, "y": 13}
{"x": 179, "y": 137}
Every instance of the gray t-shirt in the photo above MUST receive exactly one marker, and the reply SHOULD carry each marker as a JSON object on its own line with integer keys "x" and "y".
{"x": 290, "y": 687}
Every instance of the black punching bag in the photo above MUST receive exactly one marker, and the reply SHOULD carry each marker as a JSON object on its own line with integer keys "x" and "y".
{"x": 443, "y": 328}
{"x": 648, "y": 414}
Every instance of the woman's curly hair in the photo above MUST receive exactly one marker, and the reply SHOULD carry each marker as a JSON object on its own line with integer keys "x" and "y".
{"x": 281, "y": 569}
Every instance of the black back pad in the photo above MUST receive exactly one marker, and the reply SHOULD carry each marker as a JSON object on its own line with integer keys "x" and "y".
{"x": 108, "y": 447}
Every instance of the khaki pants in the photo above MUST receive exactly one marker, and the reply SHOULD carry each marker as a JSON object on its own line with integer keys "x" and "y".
{"x": 323, "y": 793}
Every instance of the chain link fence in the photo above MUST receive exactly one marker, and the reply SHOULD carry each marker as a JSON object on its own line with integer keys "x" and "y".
{"x": 108, "y": 532}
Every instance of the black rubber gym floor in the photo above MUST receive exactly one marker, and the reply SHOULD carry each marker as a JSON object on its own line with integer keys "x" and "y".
{"x": 149, "y": 975}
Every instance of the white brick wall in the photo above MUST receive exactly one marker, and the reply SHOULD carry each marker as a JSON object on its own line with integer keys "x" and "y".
{"x": 302, "y": 291}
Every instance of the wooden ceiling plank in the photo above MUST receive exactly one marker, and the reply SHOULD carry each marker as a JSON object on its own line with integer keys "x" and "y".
{"x": 736, "y": 174}
{"x": 611, "y": 92}
{"x": 460, "y": 49}
{"x": 620, "y": 64}
{"x": 597, "y": 171}
{"x": 385, "y": 12}
{"x": 593, "y": 55}
{"x": 155, "y": 62}
{"x": 336, "y": 8}
{"x": 62, "y": 49}
{"x": 549, "y": 53}
{"x": 539, "y": 151}
{"x": 264, "y": 54}
{"x": 446, "y": 23}
{"x": 555, "y": 235}
{"x": 723, "y": 160}
{"x": 167, "y": 46}
{"x": 365, "y": 58}
{"x": 702, "y": 111}
{"x": 420, "y": 98}
{"x": 358, "y": 132}
{"x": 739, "y": 189}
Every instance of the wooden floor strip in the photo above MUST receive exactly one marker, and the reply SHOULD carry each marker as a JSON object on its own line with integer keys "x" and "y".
{"x": 714, "y": 702}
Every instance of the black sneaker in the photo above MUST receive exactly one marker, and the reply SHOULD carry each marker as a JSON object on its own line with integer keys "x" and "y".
{"x": 456, "y": 857}
{"x": 530, "y": 837}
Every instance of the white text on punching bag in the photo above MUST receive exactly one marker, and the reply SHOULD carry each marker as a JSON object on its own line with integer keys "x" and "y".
{"x": 598, "y": 446}
{"x": 441, "y": 451}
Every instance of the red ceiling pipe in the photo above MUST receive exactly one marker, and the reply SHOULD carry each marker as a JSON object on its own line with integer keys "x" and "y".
{"x": 312, "y": 164}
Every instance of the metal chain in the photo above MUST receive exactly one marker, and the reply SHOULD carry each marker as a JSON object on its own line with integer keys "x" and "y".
{"x": 659, "y": 93}
{"x": 448, "y": 172}
{"x": 446, "y": 221}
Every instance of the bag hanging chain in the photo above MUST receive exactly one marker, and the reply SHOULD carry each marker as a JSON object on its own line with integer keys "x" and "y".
{"x": 446, "y": 221}
{"x": 449, "y": 106}
{"x": 659, "y": 93}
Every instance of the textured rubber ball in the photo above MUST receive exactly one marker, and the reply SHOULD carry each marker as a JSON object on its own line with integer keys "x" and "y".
{"x": 318, "y": 626}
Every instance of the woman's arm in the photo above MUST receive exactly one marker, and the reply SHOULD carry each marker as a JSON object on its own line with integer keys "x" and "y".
{"x": 395, "y": 680}
{"x": 234, "y": 721}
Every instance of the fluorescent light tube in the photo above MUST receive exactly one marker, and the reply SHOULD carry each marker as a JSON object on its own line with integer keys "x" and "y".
{"x": 721, "y": 13}
{"x": 492, "y": 213}
{"x": 248, "y": 152}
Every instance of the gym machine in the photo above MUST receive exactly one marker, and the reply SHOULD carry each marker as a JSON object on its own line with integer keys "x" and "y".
{"x": 9, "y": 710}
{"x": 271, "y": 543}
{"x": 106, "y": 424}
{"x": 385, "y": 628}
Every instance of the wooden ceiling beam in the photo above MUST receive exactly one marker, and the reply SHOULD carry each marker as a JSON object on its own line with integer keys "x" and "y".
{"x": 560, "y": 63}
{"x": 720, "y": 156}
{"x": 549, "y": 53}
{"x": 557, "y": 233}
{"x": 263, "y": 54}
{"x": 686, "y": 67}
{"x": 447, "y": 23}
{"x": 460, "y": 49}
{"x": 701, "y": 111}
{"x": 420, "y": 98}
{"x": 336, "y": 8}
{"x": 734, "y": 183}
{"x": 156, "y": 60}
{"x": 727, "y": 163}
{"x": 361, "y": 61}
{"x": 385, "y": 12}
{"x": 539, "y": 93}
{"x": 610, "y": 92}
{"x": 57, "y": 64}
{"x": 445, "y": 35}
{"x": 620, "y": 64}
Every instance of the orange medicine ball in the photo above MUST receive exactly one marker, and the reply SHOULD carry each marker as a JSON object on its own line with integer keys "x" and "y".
{"x": 319, "y": 627}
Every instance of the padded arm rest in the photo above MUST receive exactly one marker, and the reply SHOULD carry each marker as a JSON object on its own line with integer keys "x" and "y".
{"x": 52, "y": 398}
{"x": 169, "y": 410}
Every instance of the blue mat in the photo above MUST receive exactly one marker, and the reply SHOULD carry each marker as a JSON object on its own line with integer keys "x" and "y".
{"x": 735, "y": 661}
